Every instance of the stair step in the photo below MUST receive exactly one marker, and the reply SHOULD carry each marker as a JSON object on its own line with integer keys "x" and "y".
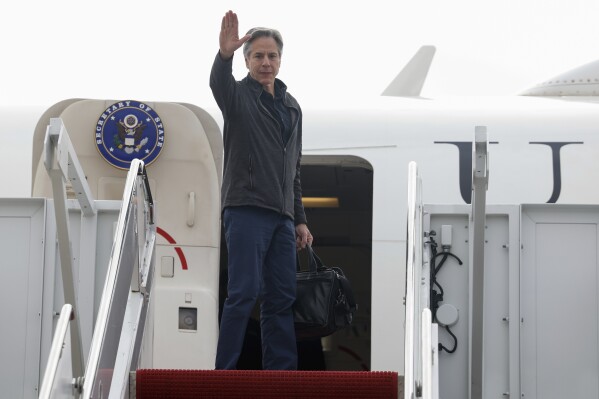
{"x": 263, "y": 384}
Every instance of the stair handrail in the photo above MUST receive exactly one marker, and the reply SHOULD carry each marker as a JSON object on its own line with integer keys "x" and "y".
{"x": 125, "y": 266}
{"x": 480, "y": 184}
{"x": 428, "y": 347}
{"x": 413, "y": 296}
{"x": 62, "y": 165}
{"x": 58, "y": 342}
{"x": 420, "y": 368}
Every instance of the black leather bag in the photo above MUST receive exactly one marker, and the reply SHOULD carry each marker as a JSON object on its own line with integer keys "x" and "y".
{"x": 324, "y": 301}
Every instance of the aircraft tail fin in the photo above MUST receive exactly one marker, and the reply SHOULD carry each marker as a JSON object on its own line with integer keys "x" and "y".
{"x": 409, "y": 82}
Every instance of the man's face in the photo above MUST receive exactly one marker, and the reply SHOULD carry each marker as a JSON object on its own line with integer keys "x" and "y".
{"x": 264, "y": 61}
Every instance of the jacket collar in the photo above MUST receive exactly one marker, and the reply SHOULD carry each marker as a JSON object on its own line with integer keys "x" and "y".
{"x": 280, "y": 87}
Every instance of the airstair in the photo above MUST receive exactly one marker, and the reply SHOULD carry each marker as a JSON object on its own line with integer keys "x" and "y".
{"x": 115, "y": 299}
{"x": 115, "y": 347}
{"x": 495, "y": 296}
{"x": 108, "y": 362}
{"x": 113, "y": 368}
{"x": 422, "y": 345}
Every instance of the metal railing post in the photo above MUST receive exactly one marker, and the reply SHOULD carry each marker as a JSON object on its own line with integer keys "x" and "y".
{"x": 66, "y": 315}
{"x": 119, "y": 325}
{"x": 413, "y": 296}
{"x": 62, "y": 165}
{"x": 480, "y": 181}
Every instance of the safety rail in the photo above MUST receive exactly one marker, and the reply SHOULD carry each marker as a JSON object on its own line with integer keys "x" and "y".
{"x": 116, "y": 341}
{"x": 62, "y": 165}
{"x": 420, "y": 333}
{"x": 58, "y": 344}
{"x": 121, "y": 315}
{"x": 480, "y": 183}
{"x": 412, "y": 366}
{"x": 427, "y": 354}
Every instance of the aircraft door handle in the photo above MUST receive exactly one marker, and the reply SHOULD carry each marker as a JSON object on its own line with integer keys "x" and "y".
{"x": 191, "y": 209}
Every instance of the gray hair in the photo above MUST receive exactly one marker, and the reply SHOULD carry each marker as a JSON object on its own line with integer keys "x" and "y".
{"x": 262, "y": 32}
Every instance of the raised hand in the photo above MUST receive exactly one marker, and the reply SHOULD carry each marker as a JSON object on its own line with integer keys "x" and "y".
{"x": 229, "y": 40}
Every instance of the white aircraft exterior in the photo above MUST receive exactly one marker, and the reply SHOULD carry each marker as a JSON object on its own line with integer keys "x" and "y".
{"x": 542, "y": 150}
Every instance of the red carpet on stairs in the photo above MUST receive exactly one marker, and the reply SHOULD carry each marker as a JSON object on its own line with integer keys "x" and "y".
{"x": 249, "y": 384}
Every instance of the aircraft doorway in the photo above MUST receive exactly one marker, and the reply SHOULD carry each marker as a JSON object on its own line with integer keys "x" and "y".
{"x": 338, "y": 203}
{"x": 343, "y": 237}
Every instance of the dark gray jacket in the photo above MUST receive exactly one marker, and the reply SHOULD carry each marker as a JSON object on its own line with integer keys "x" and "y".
{"x": 258, "y": 169}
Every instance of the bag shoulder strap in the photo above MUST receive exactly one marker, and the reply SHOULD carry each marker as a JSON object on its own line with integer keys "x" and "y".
{"x": 349, "y": 293}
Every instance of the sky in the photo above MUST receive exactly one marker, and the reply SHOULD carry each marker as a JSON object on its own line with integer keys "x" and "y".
{"x": 334, "y": 51}
{"x": 162, "y": 50}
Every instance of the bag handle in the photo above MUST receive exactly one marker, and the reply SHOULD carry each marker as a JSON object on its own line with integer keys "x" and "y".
{"x": 314, "y": 261}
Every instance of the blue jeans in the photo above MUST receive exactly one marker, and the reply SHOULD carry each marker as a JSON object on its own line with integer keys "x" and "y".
{"x": 262, "y": 263}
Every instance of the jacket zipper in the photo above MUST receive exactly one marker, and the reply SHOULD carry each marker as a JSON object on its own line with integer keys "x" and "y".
{"x": 284, "y": 171}
{"x": 251, "y": 178}
{"x": 282, "y": 145}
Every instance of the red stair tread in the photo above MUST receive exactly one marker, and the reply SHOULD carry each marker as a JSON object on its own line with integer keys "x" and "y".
{"x": 183, "y": 384}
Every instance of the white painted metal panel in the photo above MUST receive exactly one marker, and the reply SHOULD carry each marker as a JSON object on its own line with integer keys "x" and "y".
{"x": 500, "y": 336}
{"x": 496, "y": 307}
{"x": 560, "y": 309}
{"x": 22, "y": 247}
{"x": 453, "y": 367}
{"x": 188, "y": 288}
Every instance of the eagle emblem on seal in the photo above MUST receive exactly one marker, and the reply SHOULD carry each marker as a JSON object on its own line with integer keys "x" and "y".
{"x": 129, "y": 130}
{"x": 130, "y": 134}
